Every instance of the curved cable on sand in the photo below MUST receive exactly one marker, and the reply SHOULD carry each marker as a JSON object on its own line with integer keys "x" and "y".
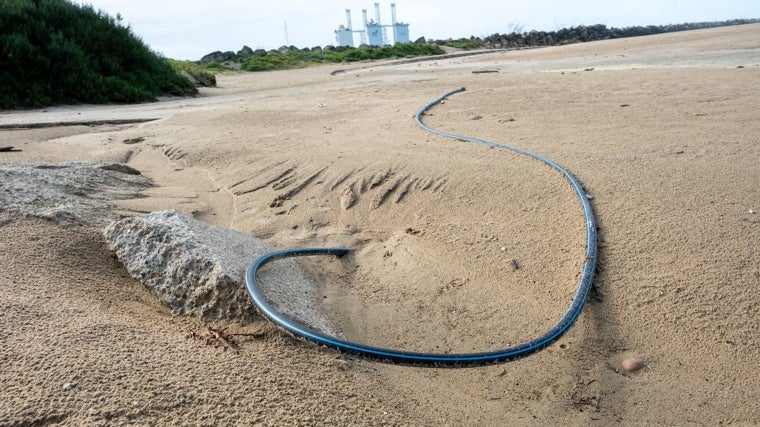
{"x": 437, "y": 359}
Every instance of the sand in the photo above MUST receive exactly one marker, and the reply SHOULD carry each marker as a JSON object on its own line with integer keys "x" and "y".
{"x": 662, "y": 131}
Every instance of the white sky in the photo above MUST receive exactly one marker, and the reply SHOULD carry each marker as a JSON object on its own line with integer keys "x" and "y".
{"x": 183, "y": 29}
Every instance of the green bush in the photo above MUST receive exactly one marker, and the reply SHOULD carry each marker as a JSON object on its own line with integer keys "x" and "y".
{"x": 301, "y": 58}
{"x": 201, "y": 76}
{"x": 273, "y": 61}
{"x": 57, "y": 52}
{"x": 463, "y": 43}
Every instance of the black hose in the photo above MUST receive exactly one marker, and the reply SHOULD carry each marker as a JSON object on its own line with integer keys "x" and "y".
{"x": 432, "y": 359}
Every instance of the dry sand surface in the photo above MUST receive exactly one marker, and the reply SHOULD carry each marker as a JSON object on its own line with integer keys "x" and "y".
{"x": 663, "y": 132}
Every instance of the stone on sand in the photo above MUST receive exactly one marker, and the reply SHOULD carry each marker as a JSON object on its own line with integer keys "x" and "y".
{"x": 198, "y": 269}
{"x": 70, "y": 192}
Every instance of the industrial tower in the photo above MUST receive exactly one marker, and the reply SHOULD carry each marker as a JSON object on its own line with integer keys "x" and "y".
{"x": 374, "y": 32}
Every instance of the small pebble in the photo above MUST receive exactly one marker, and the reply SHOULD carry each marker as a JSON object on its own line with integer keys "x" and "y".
{"x": 633, "y": 364}
{"x": 68, "y": 386}
{"x": 751, "y": 211}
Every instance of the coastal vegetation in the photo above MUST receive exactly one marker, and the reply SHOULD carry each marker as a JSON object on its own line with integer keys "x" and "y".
{"x": 200, "y": 76}
{"x": 288, "y": 57}
{"x": 58, "y": 52}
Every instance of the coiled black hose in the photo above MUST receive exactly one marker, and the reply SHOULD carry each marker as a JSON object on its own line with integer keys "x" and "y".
{"x": 432, "y": 359}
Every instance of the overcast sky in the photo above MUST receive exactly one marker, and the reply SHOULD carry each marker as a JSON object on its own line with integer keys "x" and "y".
{"x": 185, "y": 29}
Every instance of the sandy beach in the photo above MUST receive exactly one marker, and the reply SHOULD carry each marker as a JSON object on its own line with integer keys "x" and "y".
{"x": 455, "y": 247}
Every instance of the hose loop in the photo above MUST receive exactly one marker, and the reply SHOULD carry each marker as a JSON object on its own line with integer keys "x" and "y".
{"x": 438, "y": 359}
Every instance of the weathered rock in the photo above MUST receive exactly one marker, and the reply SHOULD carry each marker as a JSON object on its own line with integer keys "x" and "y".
{"x": 68, "y": 193}
{"x": 212, "y": 57}
{"x": 245, "y": 52}
{"x": 218, "y": 56}
{"x": 198, "y": 269}
{"x": 231, "y": 64}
